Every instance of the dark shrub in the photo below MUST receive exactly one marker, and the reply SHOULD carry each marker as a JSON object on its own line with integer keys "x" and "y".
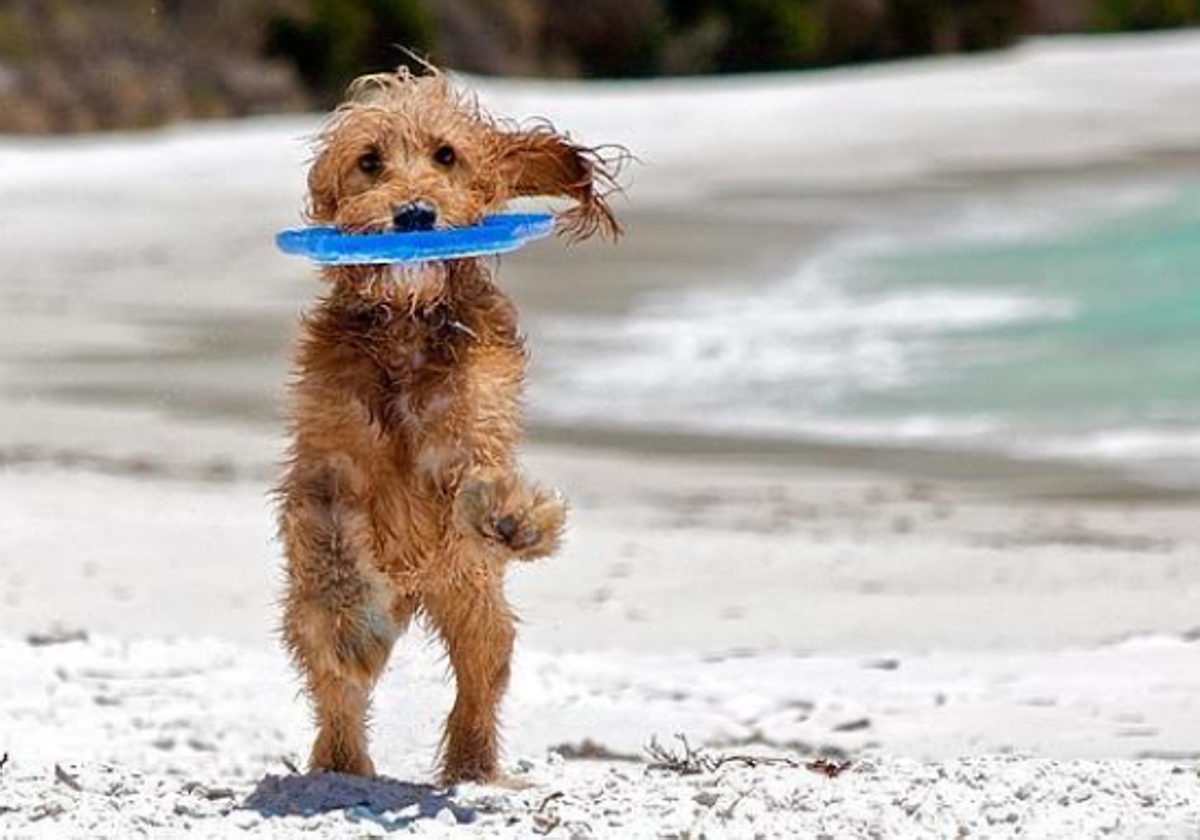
{"x": 332, "y": 41}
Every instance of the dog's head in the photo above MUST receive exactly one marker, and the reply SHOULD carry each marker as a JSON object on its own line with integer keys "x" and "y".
{"x": 407, "y": 152}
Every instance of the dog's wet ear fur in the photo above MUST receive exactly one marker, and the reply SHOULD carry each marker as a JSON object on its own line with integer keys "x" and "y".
{"x": 323, "y": 177}
{"x": 540, "y": 162}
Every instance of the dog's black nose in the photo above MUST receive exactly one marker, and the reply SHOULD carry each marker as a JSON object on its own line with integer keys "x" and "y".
{"x": 415, "y": 215}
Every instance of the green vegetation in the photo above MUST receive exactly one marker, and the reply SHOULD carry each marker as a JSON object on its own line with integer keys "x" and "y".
{"x": 335, "y": 40}
{"x": 789, "y": 34}
{"x": 654, "y": 37}
{"x": 73, "y": 66}
{"x": 14, "y": 40}
{"x": 1124, "y": 15}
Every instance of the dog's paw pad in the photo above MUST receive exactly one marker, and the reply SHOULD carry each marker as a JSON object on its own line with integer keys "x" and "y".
{"x": 518, "y": 536}
{"x": 507, "y": 527}
{"x": 527, "y": 522}
{"x": 541, "y": 525}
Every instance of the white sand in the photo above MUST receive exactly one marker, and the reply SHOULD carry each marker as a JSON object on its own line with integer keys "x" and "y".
{"x": 663, "y": 555}
{"x": 630, "y": 636}
{"x": 115, "y": 740}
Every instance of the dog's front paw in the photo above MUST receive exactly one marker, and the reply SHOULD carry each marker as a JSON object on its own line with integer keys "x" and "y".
{"x": 527, "y": 522}
{"x": 536, "y": 530}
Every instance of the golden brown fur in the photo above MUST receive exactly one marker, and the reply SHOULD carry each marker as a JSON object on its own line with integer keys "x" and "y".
{"x": 403, "y": 497}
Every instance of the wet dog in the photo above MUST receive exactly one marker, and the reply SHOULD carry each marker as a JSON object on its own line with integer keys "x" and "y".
{"x": 403, "y": 497}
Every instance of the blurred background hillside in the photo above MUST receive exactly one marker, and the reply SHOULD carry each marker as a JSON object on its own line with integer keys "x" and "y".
{"x": 68, "y": 66}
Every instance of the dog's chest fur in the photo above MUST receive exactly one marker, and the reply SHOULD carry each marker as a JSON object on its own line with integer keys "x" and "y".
{"x": 402, "y": 387}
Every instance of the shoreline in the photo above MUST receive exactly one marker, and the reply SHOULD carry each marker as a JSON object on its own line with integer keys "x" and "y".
{"x": 977, "y": 470}
{"x": 131, "y": 441}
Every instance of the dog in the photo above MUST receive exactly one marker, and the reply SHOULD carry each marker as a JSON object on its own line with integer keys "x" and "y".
{"x": 402, "y": 496}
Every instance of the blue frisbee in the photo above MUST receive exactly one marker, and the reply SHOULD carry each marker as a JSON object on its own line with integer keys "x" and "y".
{"x": 494, "y": 235}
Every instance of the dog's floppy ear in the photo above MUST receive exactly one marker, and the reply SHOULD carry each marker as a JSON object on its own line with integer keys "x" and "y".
{"x": 323, "y": 177}
{"x": 540, "y": 162}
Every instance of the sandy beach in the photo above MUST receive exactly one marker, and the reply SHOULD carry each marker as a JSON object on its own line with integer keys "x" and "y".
{"x": 999, "y": 644}
{"x": 987, "y": 665}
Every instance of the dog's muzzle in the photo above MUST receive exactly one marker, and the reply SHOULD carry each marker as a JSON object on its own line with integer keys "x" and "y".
{"x": 415, "y": 215}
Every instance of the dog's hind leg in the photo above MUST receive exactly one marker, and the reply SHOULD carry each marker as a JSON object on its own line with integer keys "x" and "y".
{"x": 340, "y": 621}
{"x": 477, "y": 626}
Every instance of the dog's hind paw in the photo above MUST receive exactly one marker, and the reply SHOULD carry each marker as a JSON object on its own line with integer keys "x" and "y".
{"x": 526, "y": 521}
{"x": 333, "y": 753}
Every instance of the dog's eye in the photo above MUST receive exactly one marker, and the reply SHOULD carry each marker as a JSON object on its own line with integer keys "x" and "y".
{"x": 445, "y": 155}
{"x": 370, "y": 163}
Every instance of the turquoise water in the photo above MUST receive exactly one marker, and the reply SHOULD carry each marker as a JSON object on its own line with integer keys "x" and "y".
{"x": 1077, "y": 336}
{"x": 1124, "y": 350}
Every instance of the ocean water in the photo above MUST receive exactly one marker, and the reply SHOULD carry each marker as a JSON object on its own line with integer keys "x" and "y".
{"x": 962, "y": 254}
{"x": 1056, "y": 325}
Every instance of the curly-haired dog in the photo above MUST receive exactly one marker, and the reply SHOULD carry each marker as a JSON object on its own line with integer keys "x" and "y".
{"x": 403, "y": 496}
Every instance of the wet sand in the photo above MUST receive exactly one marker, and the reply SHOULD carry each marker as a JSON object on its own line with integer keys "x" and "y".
{"x": 663, "y": 554}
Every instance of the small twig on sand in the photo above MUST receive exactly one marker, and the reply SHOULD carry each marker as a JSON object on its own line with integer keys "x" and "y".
{"x": 290, "y": 765}
{"x": 692, "y": 761}
{"x": 828, "y": 768}
{"x": 56, "y": 636}
{"x": 3, "y": 760}
{"x": 63, "y": 777}
{"x": 544, "y": 823}
{"x": 558, "y": 794}
{"x": 689, "y": 762}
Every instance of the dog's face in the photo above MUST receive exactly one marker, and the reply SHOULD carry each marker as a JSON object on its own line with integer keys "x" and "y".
{"x": 409, "y": 153}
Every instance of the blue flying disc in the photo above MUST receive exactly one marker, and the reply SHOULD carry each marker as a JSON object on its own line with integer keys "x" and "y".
{"x": 494, "y": 235}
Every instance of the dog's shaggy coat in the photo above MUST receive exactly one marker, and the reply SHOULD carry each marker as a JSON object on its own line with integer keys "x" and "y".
{"x": 403, "y": 497}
